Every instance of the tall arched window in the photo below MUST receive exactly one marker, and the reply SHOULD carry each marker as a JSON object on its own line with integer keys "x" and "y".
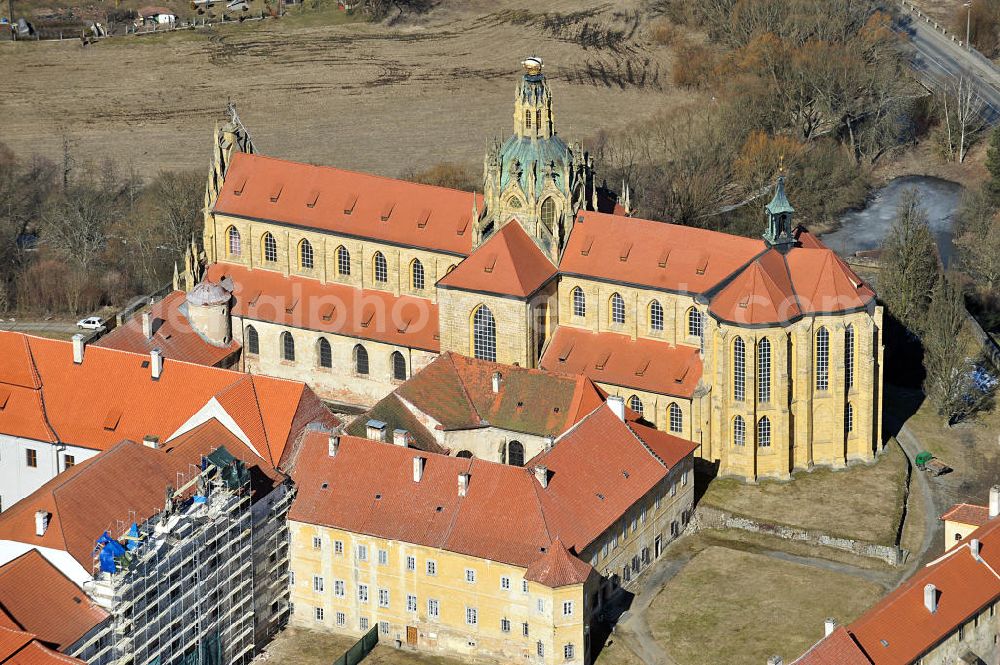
{"x": 849, "y": 357}
{"x": 380, "y": 268}
{"x": 764, "y": 432}
{"x": 398, "y": 366}
{"x": 655, "y": 316}
{"x": 579, "y": 302}
{"x": 739, "y": 370}
{"x": 305, "y": 254}
{"x": 252, "y": 341}
{"x": 527, "y": 118}
{"x": 417, "y": 275}
{"x": 484, "y": 334}
{"x": 617, "y": 309}
{"x": 324, "y": 353}
{"x": 465, "y": 454}
{"x": 635, "y": 404}
{"x": 764, "y": 371}
{"x": 515, "y": 453}
{"x": 287, "y": 346}
{"x": 676, "y": 418}
{"x": 360, "y": 360}
{"x": 822, "y": 359}
{"x": 548, "y": 213}
{"x": 695, "y": 325}
{"x": 848, "y": 418}
{"x": 270, "y": 248}
{"x": 343, "y": 261}
{"x": 235, "y": 241}
{"x": 739, "y": 431}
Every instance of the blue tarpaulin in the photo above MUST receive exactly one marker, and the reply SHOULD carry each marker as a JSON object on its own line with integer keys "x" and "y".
{"x": 110, "y": 550}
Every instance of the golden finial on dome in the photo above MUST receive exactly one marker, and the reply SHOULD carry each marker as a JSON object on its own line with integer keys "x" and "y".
{"x": 532, "y": 65}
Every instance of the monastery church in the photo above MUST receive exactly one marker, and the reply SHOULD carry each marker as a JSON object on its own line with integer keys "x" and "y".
{"x": 765, "y": 352}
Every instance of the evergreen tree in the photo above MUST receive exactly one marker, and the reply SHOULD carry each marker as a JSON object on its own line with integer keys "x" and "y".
{"x": 948, "y": 383}
{"x": 992, "y": 186}
{"x": 909, "y": 264}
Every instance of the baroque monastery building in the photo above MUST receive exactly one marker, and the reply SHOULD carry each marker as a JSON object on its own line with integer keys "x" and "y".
{"x": 765, "y": 352}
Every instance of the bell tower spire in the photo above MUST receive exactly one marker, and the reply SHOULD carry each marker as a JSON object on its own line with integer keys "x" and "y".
{"x": 533, "y": 102}
{"x": 779, "y": 218}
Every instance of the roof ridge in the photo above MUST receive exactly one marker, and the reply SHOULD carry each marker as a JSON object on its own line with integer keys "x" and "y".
{"x": 41, "y": 392}
{"x": 645, "y": 445}
{"x": 260, "y": 416}
{"x": 465, "y": 390}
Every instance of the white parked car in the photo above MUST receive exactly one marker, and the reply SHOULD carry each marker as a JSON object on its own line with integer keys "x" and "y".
{"x": 90, "y": 323}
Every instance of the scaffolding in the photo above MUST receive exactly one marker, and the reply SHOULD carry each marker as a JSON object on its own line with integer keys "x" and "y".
{"x": 183, "y": 593}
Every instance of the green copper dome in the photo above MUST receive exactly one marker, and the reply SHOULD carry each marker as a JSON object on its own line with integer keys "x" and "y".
{"x": 533, "y": 160}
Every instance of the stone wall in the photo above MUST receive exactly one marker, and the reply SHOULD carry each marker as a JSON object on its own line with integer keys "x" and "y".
{"x": 713, "y": 518}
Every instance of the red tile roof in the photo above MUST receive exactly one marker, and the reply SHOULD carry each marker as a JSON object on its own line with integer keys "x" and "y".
{"x": 348, "y": 203}
{"x": 966, "y": 513}
{"x": 641, "y": 364}
{"x": 369, "y": 488}
{"x": 44, "y": 602}
{"x": 899, "y": 629}
{"x": 457, "y": 392}
{"x": 665, "y": 256}
{"x": 36, "y": 653}
{"x": 839, "y": 648}
{"x": 557, "y": 568}
{"x": 509, "y": 263}
{"x": 338, "y": 309}
{"x": 172, "y": 335}
{"x": 111, "y": 396}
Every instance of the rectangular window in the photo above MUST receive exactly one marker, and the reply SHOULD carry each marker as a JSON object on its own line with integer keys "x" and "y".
{"x": 383, "y": 627}
{"x": 673, "y": 488}
{"x": 411, "y": 603}
{"x": 317, "y": 583}
{"x": 363, "y": 593}
{"x": 524, "y": 628}
{"x": 383, "y": 598}
{"x": 505, "y": 625}
{"x": 318, "y": 613}
{"x": 338, "y": 588}
{"x": 604, "y": 549}
{"x": 338, "y": 547}
{"x": 431, "y": 567}
{"x": 317, "y": 543}
{"x": 383, "y": 558}
{"x": 659, "y": 501}
{"x": 540, "y": 604}
{"x": 684, "y": 478}
{"x": 364, "y": 623}
{"x": 505, "y": 583}
{"x": 540, "y": 649}
{"x": 68, "y": 461}
{"x": 470, "y": 576}
{"x": 568, "y": 608}
{"x": 362, "y": 552}
{"x": 471, "y": 616}
{"x": 411, "y": 563}
{"x": 524, "y": 586}
{"x": 291, "y": 578}
{"x": 31, "y": 457}
{"x": 341, "y": 618}
{"x": 568, "y": 652}
{"x": 433, "y": 608}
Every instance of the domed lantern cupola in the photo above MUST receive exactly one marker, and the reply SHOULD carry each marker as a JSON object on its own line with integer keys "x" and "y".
{"x": 779, "y": 218}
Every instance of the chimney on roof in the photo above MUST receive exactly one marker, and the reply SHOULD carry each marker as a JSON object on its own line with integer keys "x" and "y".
{"x": 463, "y": 484}
{"x": 147, "y": 325}
{"x": 974, "y": 548}
{"x": 375, "y": 430}
{"x": 333, "y": 444}
{"x": 994, "y": 501}
{"x": 617, "y": 405}
{"x": 930, "y": 598}
{"x": 401, "y": 437}
{"x": 497, "y": 377}
{"x": 41, "y": 522}
{"x": 151, "y": 441}
{"x": 774, "y": 660}
{"x": 829, "y": 626}
{"x": 418, "y": 468}
{"x": 542, "y": 475}
{"x": 78, "y": 349}
{"x": 155, "y": 363}
{"x": 549, "y": 442}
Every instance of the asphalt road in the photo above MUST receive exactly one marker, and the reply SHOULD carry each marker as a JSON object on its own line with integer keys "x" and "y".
{"x": 937, "y": 59}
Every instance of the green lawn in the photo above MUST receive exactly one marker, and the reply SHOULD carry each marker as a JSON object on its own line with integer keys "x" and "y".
{"x": 729, "y": 606}
{"x": 864, "y": 502}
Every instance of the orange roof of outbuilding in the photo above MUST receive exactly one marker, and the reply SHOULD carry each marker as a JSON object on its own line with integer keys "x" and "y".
{"x": 967, "y": 513}
{"x": 348, "y": 203}
{"x": 508, "y": 264}
{"x": 46, "y": 603}
{"x": 338, "y": 309}
{"x": 640, "y": 364}
{"x": 36, "y": 653}
{"x": 506, "y": 515}
{"x": 838, "y": 648}
{"x": 557, "y": 568}
{"x": 172, "y": 335}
